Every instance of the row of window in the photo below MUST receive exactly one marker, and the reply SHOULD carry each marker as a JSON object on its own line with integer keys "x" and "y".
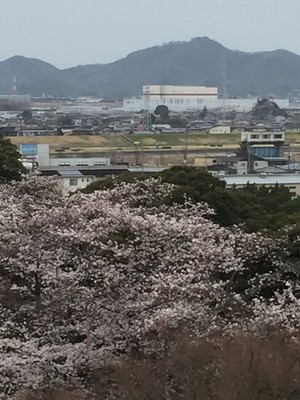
{"x": 81, "y": 164}
{"x": 74, "y": 181}
{"x": 266, "y": 136}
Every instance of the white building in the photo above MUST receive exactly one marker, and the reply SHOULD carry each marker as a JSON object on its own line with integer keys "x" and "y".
{"x": 220, "y": 129}
{"x": 263, "y": 135}
{"x": 189, "y": 98}
{"x": 72, "y": 180}
{"x": 176, "y": 98}
{"x": 291, "y": 181}
{"x": 79, "y": 161}
{"x": 39, "y": 155}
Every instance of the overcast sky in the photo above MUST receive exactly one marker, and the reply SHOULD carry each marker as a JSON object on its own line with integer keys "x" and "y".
{"x": 66, "y": 33}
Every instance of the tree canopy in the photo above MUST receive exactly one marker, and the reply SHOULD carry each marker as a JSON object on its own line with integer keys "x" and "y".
{"x": 265, "y": 108}
{"x": 92, "y": 279}
{"x": 11, "y": 167}
{"x": 255, "y": 208}
{"x": 163, "y": 112}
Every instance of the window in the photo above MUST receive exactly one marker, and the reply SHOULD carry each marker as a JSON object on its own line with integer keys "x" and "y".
{"x": 254, "y": 136}
{"x": 73, "y": 182}
{"x": 82, "y": 164}
{"x": 64, "y": 164}
{"x": 99, "y": 163}
{"x": 268, "y": 136}
{"x": 277, "y": 135}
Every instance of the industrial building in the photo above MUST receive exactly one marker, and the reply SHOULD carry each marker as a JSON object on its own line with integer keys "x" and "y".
{"x": 176, "y": 98}
{"x": 189, "y": 98}
{"x": 39, "y": 155}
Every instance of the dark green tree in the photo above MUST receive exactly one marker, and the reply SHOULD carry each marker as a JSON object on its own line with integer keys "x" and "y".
{"x": 203, "y": 113}
{"x": 255, "y": 208}
{"x": 65, "y": 120}
{"x": 178, "y": 122}
{"x": 163, "y": 112}
{"x": 27, "y": 116}
{"x": 265, "y": 108}
{"x": 200, "y": 186}
{"x": 11, "y": 167}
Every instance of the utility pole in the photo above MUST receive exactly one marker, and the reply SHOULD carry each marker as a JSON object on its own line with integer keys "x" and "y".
{"x": 248, "y": 158}
{"x": 186, "y": 147}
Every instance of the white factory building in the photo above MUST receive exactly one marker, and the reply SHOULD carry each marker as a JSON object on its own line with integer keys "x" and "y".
{"x": 188, "y": 98}
{"x": 39, "y": 155}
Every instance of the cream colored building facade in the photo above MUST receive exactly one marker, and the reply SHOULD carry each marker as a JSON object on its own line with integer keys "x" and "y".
{"x": 180, "y": 98}
{"x": 175, "y": 97}
{"x": 290, "y": 181}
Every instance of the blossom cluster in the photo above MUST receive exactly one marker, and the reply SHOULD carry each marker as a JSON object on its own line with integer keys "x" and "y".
{"x": 88, "y": 279}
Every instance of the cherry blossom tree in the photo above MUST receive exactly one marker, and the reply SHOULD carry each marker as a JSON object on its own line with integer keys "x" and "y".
{"x": 92, "y": 279}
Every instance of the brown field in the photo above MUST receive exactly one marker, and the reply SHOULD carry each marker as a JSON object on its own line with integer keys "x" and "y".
{"x": 140, "y": 142}
{"x": 104, "y": 142}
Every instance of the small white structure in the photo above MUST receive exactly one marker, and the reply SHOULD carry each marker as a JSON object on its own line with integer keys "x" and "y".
{"x": 262, "y": 135}
{"x": 73, "y": 180}
{"x": 291, "y": 181}
{"x": 220, "y": 129}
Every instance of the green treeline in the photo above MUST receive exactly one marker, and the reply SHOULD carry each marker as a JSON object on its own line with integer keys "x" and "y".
{"x": 256, "y": 208}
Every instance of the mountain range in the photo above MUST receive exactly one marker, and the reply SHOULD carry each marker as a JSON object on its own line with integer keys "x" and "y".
{"x": 200, "y": 61}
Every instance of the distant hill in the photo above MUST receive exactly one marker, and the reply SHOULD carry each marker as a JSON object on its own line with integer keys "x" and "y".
{"x": 200, "y": 61}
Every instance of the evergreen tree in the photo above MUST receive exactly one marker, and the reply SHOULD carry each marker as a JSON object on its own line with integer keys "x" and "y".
{"x": 11, "y": 167}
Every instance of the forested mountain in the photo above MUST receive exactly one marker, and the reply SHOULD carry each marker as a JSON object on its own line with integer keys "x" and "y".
{"x": 200, "y": 61}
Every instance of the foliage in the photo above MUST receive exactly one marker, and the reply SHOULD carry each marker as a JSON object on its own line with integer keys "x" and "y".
{"x": 27, "y": 116}
{"x": 265, "y": 108}
{"x": 64, "y": 120}
{"x": 112, "y": 181}
{"x": 178, "y": 122}
{"x": 255, "y": 208}
{"x": 91, "y": 280}
{"x": 203, "y": 113}
{"x": 11, "y": 167}
{"x": 163, "y": 112}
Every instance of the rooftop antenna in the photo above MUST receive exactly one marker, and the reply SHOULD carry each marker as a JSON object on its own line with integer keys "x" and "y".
{"x": 14, "y": 88}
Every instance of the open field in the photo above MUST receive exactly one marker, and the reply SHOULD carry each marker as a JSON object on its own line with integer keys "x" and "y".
{"x": 83, "y": 141}
{"x": 117, "y": 141}
{"x": 165, "y": 141}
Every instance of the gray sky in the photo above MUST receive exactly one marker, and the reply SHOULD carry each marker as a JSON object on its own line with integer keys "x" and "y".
{"x": 71, "y": 32}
